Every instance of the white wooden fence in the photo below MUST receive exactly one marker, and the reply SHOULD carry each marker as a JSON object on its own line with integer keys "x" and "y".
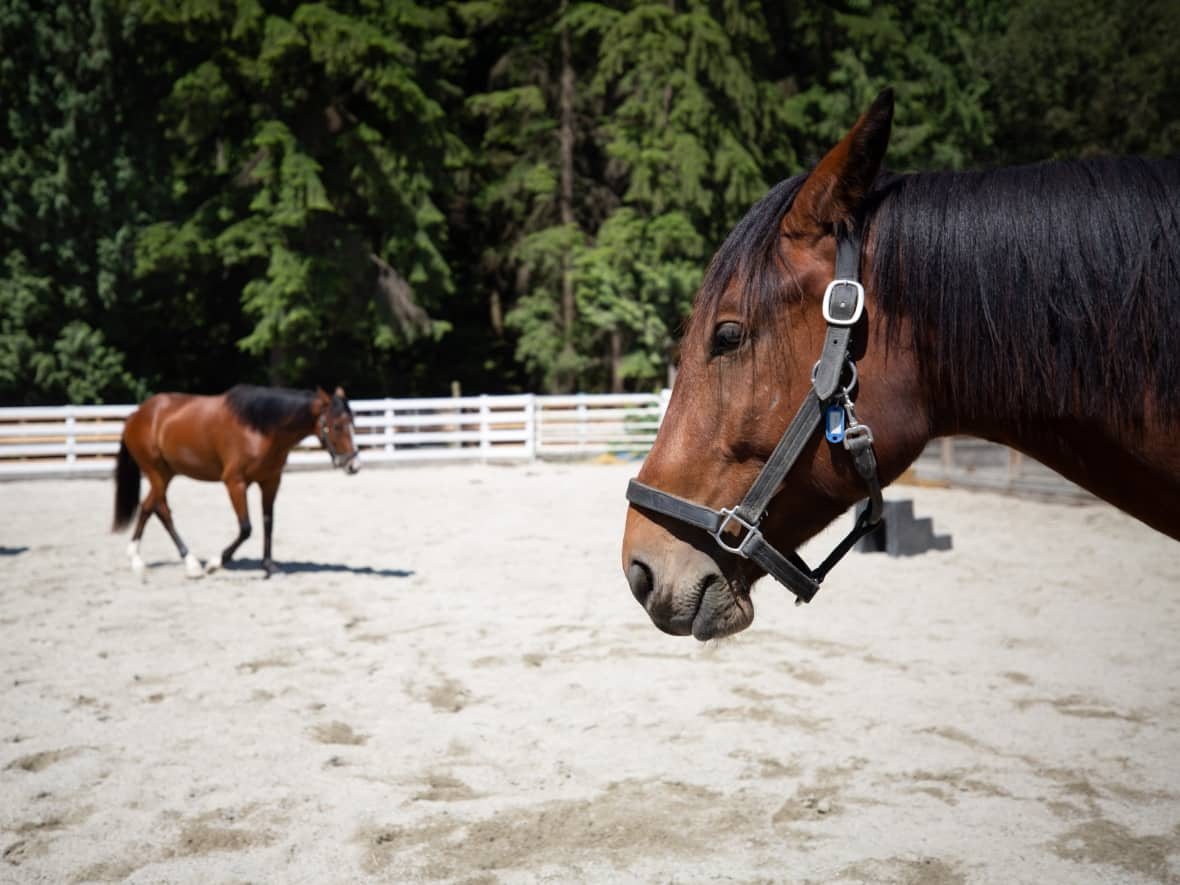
{"x": 83, "y": 440}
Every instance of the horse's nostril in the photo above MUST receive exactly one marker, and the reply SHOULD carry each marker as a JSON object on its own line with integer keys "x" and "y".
{"x": 640, "y": 578}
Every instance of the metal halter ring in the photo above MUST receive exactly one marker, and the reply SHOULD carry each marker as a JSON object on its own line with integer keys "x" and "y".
{"x": 849, "y": 364}
{"x": 729, "y": 515}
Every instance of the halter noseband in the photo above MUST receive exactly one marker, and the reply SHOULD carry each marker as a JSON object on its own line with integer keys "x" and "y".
{"x": 829, "y": 404}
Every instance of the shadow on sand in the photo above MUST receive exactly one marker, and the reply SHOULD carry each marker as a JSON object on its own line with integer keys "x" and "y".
{"x": 290, "y": 567}
{"x": 13, "y": 551}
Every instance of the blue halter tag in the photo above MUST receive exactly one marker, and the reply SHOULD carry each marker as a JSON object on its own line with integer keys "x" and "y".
{"x": 834, "y": 423}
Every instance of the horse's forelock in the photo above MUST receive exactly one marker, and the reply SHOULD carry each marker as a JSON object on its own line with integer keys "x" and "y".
{"x": 750, "y": 261}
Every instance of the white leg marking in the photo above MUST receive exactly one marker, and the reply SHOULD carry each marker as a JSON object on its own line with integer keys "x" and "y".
{"x": 213, "y": 565}
{"x": 192, "y": 566}
{"x": 138, "y": 568}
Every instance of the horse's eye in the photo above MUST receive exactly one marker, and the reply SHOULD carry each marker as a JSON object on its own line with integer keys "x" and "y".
{"x": 727, "y": 337}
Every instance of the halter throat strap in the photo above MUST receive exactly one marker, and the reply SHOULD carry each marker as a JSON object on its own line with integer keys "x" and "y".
{"x": 737, "y": 530}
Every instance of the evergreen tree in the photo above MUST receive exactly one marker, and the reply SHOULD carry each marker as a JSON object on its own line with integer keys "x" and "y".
{"x": 309, "y": 149}
{"x": 207, "y": 192}
{"x": 540, "y": 186}
{"x": 843, "y": 54}
{"x": 76, "y": 177}
{"x": 694, "y": 136}
{"x": 1084, "y": 77}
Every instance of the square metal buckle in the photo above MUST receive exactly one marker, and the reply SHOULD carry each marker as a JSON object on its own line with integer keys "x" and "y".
{"x": 751, "y": 529}
{"x": 857, "y": 309}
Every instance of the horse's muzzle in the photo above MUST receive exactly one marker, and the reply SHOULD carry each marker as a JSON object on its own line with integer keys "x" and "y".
{"x": 704, "y": 605}
{"x": 350, "y": 463}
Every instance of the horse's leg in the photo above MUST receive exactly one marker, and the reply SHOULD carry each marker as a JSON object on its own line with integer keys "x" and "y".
{"x": 237, "y": 497}
{"x": 270, "y": 488}
{"x": 192, "y": 565}
{"x": 146, "y": 509}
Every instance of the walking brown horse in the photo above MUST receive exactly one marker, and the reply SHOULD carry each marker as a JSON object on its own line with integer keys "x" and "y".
{"x": 240, "y": 437}
{"x": 1037, "y": 306}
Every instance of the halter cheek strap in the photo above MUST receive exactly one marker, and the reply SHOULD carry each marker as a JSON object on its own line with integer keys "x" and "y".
{"x": 326, "y": 440}
{"x": 737, "y": 529}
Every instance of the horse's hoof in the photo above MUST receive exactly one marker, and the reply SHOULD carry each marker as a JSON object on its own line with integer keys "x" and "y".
{"x": 212, "y": 565}
{"x": 138, "y": 568}
{"x": 270, "y": 568}
{"x": 192, "y": 567}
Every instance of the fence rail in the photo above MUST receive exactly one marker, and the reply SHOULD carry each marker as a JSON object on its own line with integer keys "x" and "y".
{"x": 83, "y": 440}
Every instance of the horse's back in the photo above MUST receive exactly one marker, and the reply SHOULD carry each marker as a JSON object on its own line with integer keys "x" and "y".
{"x": 172, "y": 431}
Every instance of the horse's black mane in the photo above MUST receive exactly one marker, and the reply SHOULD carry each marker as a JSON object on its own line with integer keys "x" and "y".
{"x": 267, "y": 409}
{"x": 1054, "y": 286}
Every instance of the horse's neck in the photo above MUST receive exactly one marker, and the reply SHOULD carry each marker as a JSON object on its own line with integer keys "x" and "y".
{"x": 286, "y": 438}
{"x": 304, "y": 429}
{"x": 1058, "y": 338}
{"x": 1137, "y": 470}
{"x": 1120, "y": 450}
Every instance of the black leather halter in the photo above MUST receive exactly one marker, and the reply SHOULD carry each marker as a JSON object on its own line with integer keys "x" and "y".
{"x": 828, "y": 404}
{"x": 338, "y": 459}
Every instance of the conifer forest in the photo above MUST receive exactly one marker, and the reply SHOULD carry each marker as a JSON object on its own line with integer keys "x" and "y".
{"x": 511, "y": 195}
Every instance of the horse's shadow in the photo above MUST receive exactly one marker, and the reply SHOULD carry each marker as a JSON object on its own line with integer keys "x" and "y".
{"x": 13, "y": 551}
{"x": 296, "y": 567}
{"x": 292, "y": 567}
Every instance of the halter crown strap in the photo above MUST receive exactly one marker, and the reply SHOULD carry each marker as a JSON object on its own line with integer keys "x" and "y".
{"x": 843, "y": 305}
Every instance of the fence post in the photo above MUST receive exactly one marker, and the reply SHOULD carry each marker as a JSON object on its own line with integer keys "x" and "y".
{"x": 583, "y": 424}
{"x": 1015, "y": 463}
{"x": 485, "y": 442}
{"x": 665, "y": 396}
{"x": 530, "y": 427}
{"x": 71, "y": 439}
{"x": 388, "y": 434}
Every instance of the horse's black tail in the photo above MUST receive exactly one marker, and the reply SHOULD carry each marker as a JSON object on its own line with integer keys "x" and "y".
{"x": 126, "y": 488}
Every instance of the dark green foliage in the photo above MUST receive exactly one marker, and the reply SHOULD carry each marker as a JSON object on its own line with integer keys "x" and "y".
{"x": 309, "y": 147}
{"x": 924, "y": 49}
{"x": 398, "y": 194}
{"x": 1084, "y": 78}
{"x": 72, "y": 198}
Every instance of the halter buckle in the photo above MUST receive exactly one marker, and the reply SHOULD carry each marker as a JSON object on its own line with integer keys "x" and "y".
{"x": 844, "y": 302}
{"x": 751, "y": 529}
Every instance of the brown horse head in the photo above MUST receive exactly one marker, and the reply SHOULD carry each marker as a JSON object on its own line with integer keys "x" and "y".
{"x": 745, "y": 367}
{"x": 335, "y": 428}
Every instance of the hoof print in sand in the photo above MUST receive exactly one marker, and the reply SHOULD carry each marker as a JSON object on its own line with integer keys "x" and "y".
{"x": 337, "y": 733}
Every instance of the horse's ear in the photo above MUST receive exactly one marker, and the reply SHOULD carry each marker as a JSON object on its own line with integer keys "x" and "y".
{"x": 834, "y": 190}
{"x": 321, "y": 400}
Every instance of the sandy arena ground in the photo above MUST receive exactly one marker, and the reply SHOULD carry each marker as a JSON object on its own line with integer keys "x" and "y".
{"x": 452, "y": 683}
